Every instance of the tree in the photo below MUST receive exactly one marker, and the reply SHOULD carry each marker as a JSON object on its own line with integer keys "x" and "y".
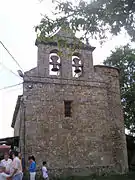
{"x": 124, "y": 59}
{"x": 94, "y": 18}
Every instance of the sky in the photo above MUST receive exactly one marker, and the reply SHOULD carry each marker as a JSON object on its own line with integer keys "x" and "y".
{"x": 17, "y": 21}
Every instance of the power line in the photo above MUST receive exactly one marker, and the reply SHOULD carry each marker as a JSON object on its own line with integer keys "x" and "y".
{"x": 9, "y": 70}
{"x": 11, "y": 56}
{"x": 10, "y": 86}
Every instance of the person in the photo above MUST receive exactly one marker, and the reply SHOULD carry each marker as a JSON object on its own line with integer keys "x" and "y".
{"x": 44, "y": 171}
{"x": 6, "y": 162}
{"x": 3, "y": 175}
{"x": 16, "y": 167}
{"x": 22, "y": 161}
{"x": 32, "y": 167}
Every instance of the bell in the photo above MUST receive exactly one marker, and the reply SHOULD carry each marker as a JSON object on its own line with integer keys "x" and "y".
{"x": 55, "y": 68}
{"x": 54, "y": 58}
{"x": 76, "y": 65}
{"x": 54, "y": 62}
{"x": 77, "y": 70}
{"x": 76, "y": 61}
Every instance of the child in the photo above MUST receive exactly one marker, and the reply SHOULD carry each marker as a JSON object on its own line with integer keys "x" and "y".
{"x": 44, "y": 171}
{"x": 3, "y": 175}
{"x": 32, "y": 167}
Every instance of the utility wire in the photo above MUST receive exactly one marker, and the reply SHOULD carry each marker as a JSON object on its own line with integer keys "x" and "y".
{"x": 11, "y": 56}
{"x": 10, "y": 86}
{"x": 9, "y": 70}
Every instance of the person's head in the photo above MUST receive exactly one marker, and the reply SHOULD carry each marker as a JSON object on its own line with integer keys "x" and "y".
{"x": 6, "y": 156}
{"x": 2, "y": 169}
{"x": 14, "y": 154}
{"x": 44, "y": 163}
{"x": 31, "y": 158}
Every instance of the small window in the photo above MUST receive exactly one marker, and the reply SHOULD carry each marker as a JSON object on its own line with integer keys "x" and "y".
{"x": 68, "y": 108}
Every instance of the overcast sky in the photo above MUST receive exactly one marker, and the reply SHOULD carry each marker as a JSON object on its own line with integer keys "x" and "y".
{"x": 17, "y": 21}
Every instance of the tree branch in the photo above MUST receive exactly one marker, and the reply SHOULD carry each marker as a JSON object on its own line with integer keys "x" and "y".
{"x": 130, "y": 4}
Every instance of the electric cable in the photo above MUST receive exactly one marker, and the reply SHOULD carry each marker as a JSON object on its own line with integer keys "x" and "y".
{"x": 6, "y": 87}
{"x": 9, "y": 69}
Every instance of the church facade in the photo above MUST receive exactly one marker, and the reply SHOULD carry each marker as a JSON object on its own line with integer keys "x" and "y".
{"x": 70, "y": 112}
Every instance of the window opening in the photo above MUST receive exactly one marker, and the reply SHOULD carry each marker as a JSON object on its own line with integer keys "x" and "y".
{"x": 54, "y": 61}
{"x": 76, "y": 65}
{"x": 68, "y": 108}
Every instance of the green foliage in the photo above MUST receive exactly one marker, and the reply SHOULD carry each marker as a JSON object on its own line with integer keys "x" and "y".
{"x": 94, "y": 18}
{"x": 124, "y": 59}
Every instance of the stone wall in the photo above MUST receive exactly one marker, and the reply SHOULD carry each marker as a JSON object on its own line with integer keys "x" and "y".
{"x": 116, "y": 120}
{"x": 92, "y": 139}
{"x": 17, "y": 125}
{"x": 22, "y": 130}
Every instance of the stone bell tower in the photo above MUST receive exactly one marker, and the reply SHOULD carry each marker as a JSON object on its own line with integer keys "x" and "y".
{"x": 64, "y": 58}
{"x": 73, "y": 115}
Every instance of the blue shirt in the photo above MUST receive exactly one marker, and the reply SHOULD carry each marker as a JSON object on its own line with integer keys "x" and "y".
{"x": 32, "y": 167}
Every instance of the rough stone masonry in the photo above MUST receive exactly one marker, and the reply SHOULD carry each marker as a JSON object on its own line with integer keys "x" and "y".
{"x": 73, "y": 121}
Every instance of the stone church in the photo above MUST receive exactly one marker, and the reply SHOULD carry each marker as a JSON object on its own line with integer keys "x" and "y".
{"x": 70, "y": 113}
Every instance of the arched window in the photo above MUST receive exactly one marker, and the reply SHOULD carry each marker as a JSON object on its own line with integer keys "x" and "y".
{"x": 54, "y": 61}
{"x": 76, "y": 65}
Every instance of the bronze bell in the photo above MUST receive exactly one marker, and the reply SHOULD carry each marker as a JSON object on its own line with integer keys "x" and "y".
{"x": 77, "y": 65}
{"x": 55, "y": 68}
{"x": 77, "y": 70}
{"x": 54, "y": 59}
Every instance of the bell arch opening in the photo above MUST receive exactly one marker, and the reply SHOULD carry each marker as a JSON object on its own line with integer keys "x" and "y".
{"x": 76, "y": 65}
{"x": 54, "y": 62}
